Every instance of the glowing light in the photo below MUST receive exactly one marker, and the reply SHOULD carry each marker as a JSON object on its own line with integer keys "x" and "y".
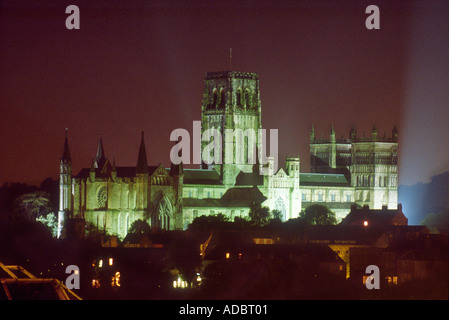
{"x": 100, "y": 263}
{"x": 115, "y": 281}
{"x": 365, "y": 223}
{"x": 227, "y": 255}
{"x": 95, "y": 283}
{"x": 111, "y": 261}
{"x": 180, "y": 283}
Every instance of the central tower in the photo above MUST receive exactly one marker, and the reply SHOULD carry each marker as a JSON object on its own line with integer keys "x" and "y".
{"x": 231, "y": 105}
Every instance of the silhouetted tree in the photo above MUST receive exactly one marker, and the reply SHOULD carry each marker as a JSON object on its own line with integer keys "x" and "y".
{"x": 139, "y": 226}
{"x": 318, "y": 214}
{"x": 204, "y": 224}
{"x": 259, "y": 215}
{"x": 437, "y": 222}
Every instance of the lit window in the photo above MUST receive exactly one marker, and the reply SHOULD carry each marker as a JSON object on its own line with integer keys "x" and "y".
{"x": 111, "y": 261}
{"x": 100, "y": 263}
{"x": 95, "y": 283}
{"x": 116, "y": 280}
{"x": 227, "y": 255}
{"x": 240, "y": 255}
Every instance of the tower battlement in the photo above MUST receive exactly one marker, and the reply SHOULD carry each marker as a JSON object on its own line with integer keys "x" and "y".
{"x": 231, "y": 74}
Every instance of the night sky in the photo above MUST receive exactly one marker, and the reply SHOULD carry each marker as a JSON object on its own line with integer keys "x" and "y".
{"x": 139, "y": 66}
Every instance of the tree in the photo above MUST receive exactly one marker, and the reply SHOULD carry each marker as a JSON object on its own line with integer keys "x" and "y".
{"x": 259, "y": 215}
{"x": 276, "y": 214}
{"x": 31, "y": 206}
{"x": 139, "y": 226}
{"x": 437, "y": 222}
{"x": 205, "y": 224}
{"x": 51, "y": 222}
{"x": 318, "y": 214}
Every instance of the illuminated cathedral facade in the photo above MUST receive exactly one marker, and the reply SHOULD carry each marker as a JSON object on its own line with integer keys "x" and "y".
{"x": 343, "y": 172}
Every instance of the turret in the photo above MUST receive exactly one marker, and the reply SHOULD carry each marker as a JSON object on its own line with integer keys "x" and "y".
{"x": 312, "y": 134}
{"x": 394, "y": 134}
{"x": 332, "y": 135}
{"x": 292, "y": 166}
{"x": 374, "y": 133}
{"x": 353, "y": 134}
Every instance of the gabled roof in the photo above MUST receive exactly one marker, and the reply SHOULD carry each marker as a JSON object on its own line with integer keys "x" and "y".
{"x": 249, "y": 179}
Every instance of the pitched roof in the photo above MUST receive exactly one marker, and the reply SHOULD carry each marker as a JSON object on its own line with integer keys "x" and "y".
{"x": 122, "y": 172}
{"x": 201, "y": 176}
{"x": 342, "y": 234}
{"x": 249, "y": 179}
{"x": 382, "y": 216}
{"x": 323, "y": 179}
{"x": 233, "y": 198}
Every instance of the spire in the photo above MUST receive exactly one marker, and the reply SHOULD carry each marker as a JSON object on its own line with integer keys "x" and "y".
{"x": 142, "y": 164}
{"x": 100, "y": 159}
{"x": 66, "y": 152}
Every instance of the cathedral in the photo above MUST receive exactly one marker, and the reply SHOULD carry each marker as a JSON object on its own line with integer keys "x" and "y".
{"x": 343, "y": 172}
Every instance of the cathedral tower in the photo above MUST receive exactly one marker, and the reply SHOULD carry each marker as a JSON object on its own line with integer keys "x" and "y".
{"x": 65, "y": 187}
{"x": 374, "y": 170}
{"x": 231, "y": 100}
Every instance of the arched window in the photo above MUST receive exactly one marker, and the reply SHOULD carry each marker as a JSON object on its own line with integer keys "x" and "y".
{"x": 102, "y": 196}
{"x": 332, "y": 196}
{"x": 222, "y": 99}
{"x": 320, "y": 196}
{"x": 348, "y": 197}
{"x": 164, "y": 210}
{"x": 247, "y": 99}
{"x": 238, "y": 97}
{"x": 215, "y": 98}
{"x": 279, "y": 205}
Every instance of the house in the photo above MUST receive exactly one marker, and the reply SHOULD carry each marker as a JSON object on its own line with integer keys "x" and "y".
{"x": 375, "y": 217}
